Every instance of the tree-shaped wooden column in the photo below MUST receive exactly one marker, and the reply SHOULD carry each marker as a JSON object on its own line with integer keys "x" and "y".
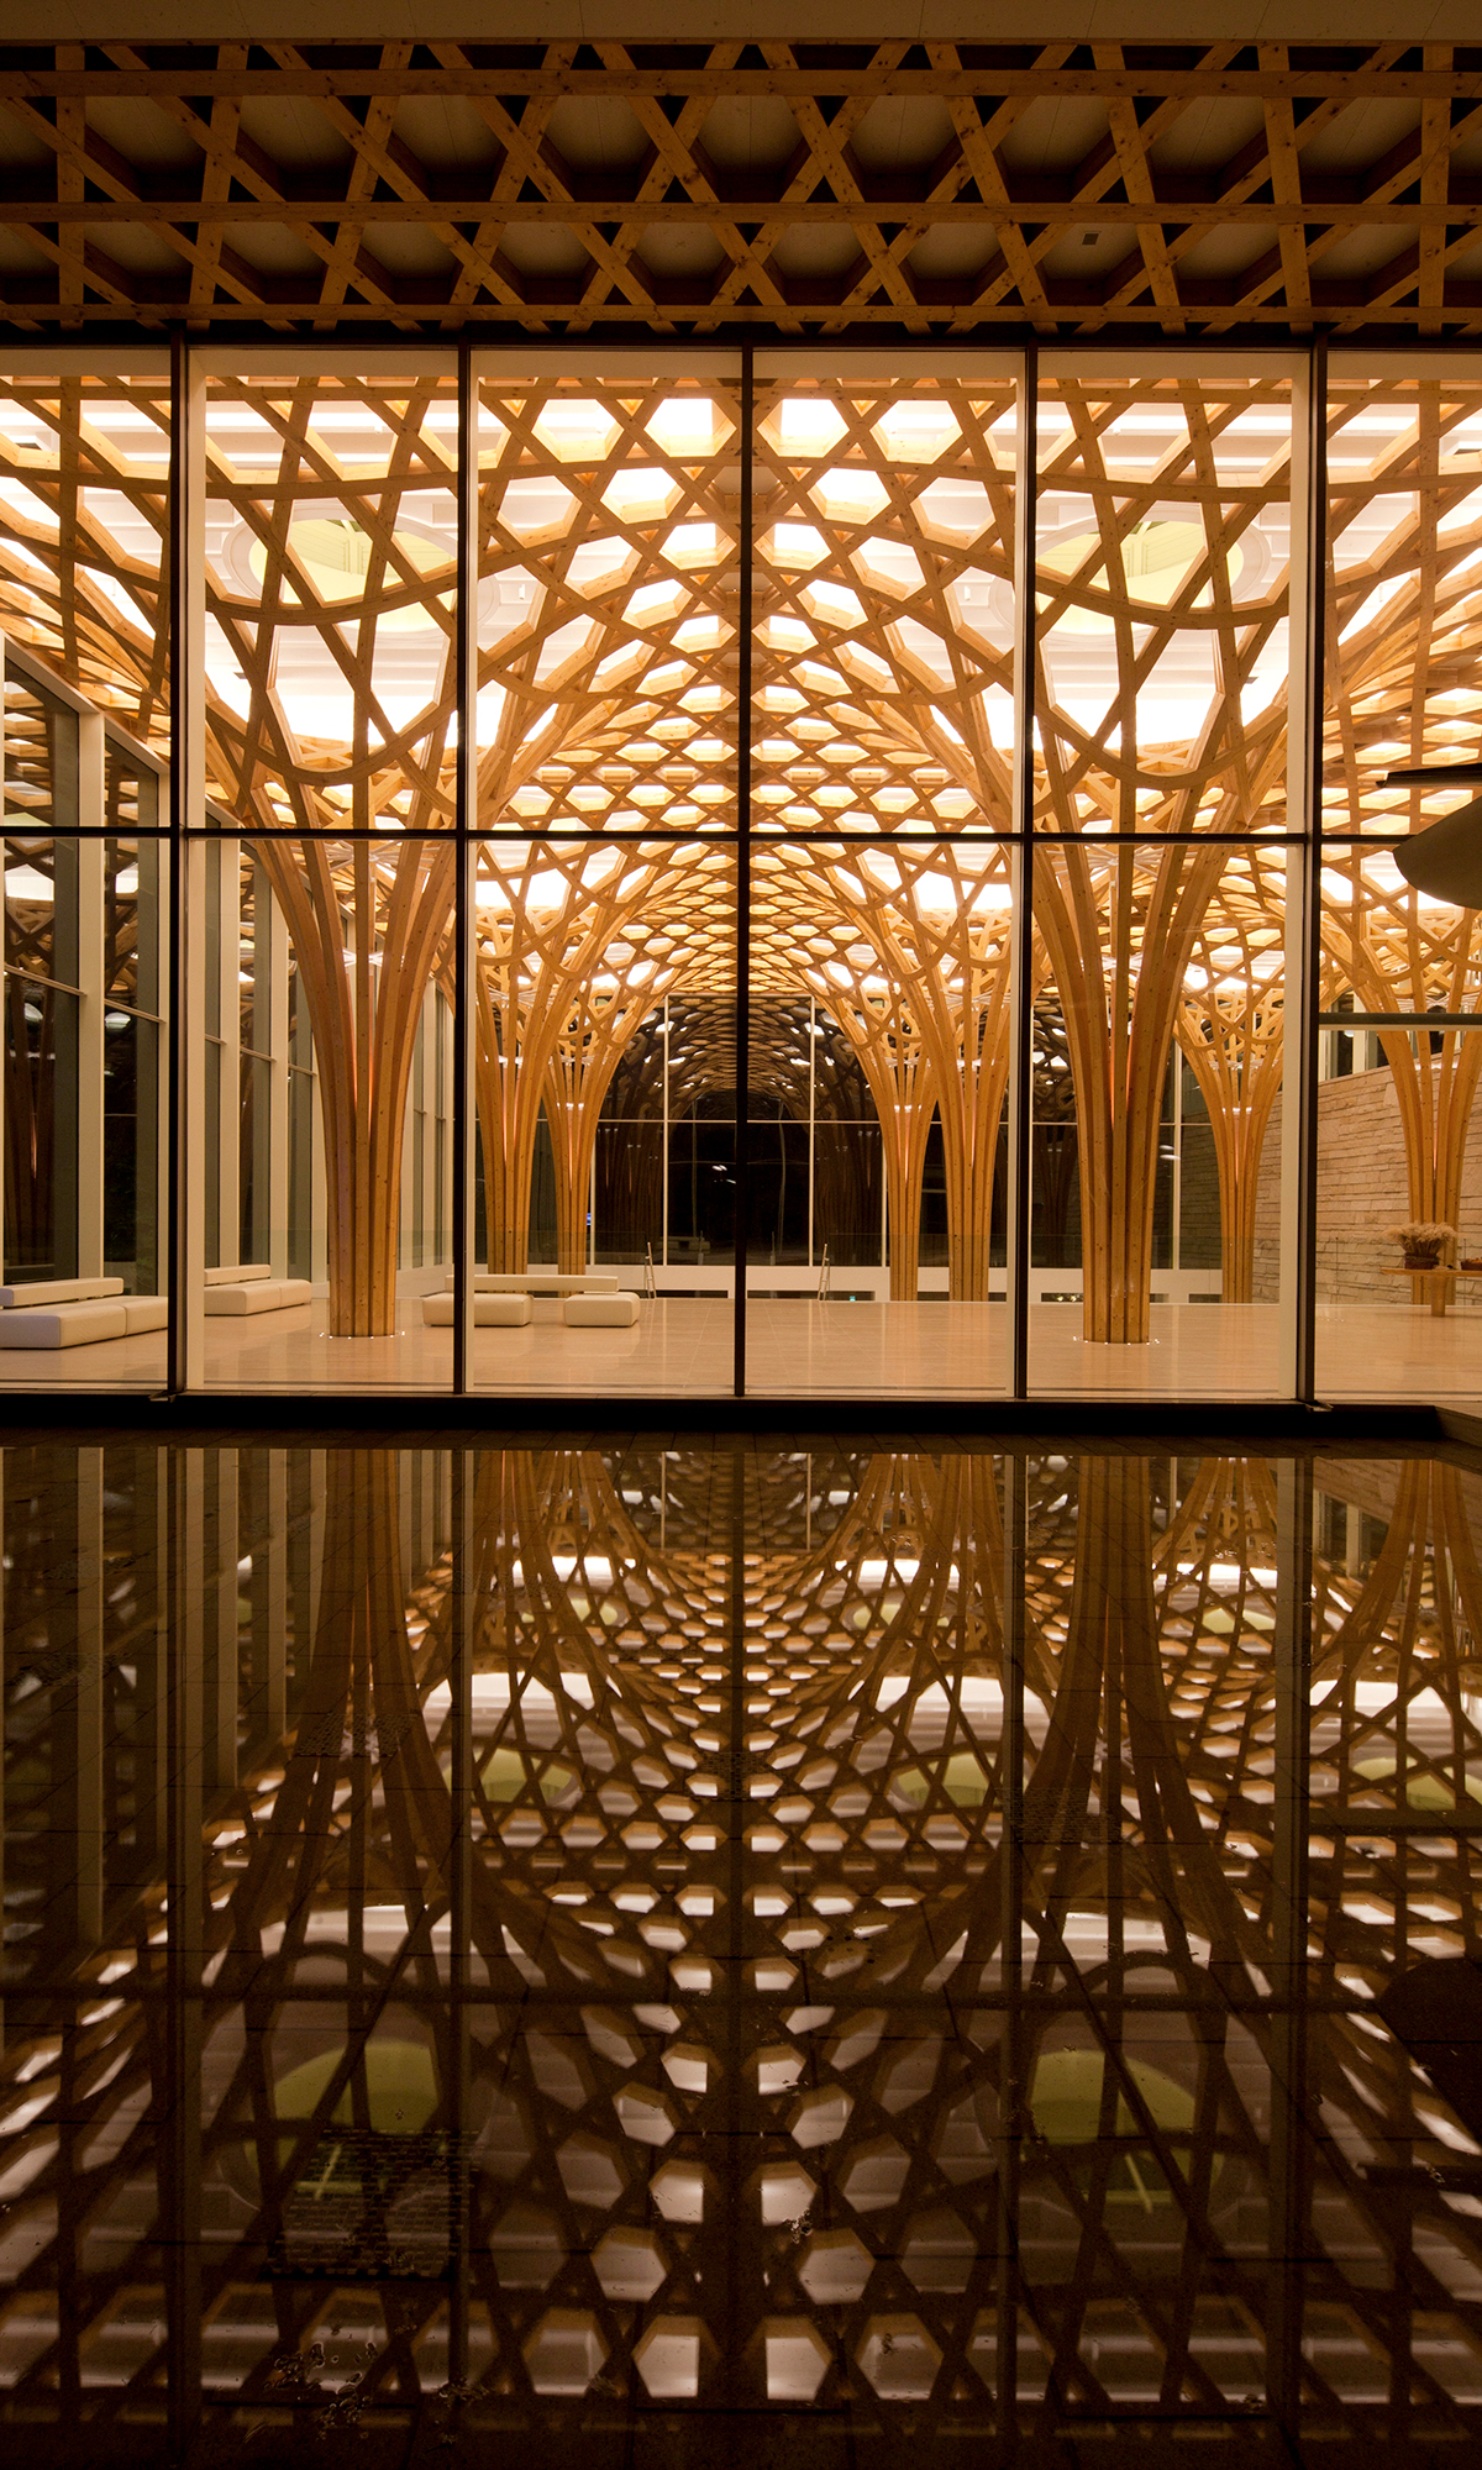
{"x": 909, "y": 947}
{"x": 330, "y": 538}
{"x": 576, "y": 946}
{"x": 1161, "y": 678}
{"x": 1230, "y": 1028}
{"x": 330, "y": 557}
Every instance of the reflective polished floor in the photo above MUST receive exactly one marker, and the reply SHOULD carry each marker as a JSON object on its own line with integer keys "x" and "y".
{"x": 644, "y": 1955}
{"x": 684, "y": 1346}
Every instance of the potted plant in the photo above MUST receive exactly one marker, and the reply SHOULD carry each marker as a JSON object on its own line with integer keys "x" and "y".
{"x": 1425, "y": 1243}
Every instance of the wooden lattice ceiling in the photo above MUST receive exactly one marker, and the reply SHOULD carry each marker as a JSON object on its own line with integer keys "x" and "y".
{"x": 1188, "y": 187}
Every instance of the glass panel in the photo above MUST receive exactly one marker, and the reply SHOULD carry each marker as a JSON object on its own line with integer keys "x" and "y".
{"x": 605, "y": 1077}
{"x": 878, "y": 1078}
{"x": 884, "y": 648}
{"x": 1157, "y": 1227}
{"x": 1395, "y": 1101}
{"x": 338, "y": 1222}
{"x": 608, "y": 507}
{"x": 1394, "y": 1180}
{"x": 1163, "y": 539}
{"x": 84, "y": 512}
{"x": 1404, "y": 516}
{"x": 331, "y": 540}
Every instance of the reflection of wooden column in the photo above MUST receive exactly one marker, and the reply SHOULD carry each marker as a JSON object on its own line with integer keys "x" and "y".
{"x": 1102, "y": 914}
{"x": 366, "y": 928}
{"x": 88, "y": 1738}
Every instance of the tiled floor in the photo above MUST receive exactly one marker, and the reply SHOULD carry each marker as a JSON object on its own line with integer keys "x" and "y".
{"x": 683, "y": 1347}
{"x": 660, "y": 1956}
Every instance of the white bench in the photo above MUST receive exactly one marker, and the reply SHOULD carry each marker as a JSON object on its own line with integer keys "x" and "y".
{"x": 253, "y": 1290}
{"x": 545, "y": 1284}
{"x": 81, "y": 1320}
{"x": 489, "y": 1311}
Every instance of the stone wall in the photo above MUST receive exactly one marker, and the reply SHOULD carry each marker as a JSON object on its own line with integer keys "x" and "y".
{"x": 1361, "y": 1194}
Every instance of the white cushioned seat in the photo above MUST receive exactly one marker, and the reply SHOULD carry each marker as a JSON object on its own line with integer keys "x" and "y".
{"x": 77, "y": 1324}
{"x": 49, "y": 1291}
{"x": 245, "y": 1273}
{"x": 267, "y": 1295}
{"x": 541, "y": 1282}
{"x": 489, "y": 1311}
{"x": 142, "y": 1312}
{"x": 600, "y": 1311}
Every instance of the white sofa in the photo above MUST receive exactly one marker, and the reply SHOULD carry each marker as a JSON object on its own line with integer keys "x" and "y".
{"x": 48, "y": 1313}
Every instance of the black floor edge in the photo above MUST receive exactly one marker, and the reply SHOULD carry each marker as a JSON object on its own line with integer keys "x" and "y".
{"x": 413, "y": 1420}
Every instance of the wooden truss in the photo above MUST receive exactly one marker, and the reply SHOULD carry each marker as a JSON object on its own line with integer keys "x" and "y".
{"x": 1185, "y": 187}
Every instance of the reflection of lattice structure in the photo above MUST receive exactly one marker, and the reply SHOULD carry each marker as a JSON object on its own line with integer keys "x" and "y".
{"x": 701, "y": 2123}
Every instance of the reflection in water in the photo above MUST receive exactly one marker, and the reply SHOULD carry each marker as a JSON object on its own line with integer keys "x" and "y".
{"x": 667, "y": 1954}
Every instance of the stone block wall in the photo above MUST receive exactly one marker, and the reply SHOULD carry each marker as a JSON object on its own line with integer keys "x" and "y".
{"x": 1360, "y": 1195}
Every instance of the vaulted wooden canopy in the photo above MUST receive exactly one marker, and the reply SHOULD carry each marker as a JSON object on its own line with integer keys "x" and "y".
{"x": 681, "y": 186}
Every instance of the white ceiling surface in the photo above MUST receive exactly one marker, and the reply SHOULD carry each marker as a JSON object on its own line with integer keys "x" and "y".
{"x": 1013, "y": 21}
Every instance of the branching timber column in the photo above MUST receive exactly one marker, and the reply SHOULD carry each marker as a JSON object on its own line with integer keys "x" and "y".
{"x": 330, "y": 556}
{"x": 1161, "y": 675}
{"x": 910, "y": 949}
{"x": 1102, "y": 918}
{"x": 575, "y": 948}
{"x": 366, "y": 922}
{"x": 1230, "y": 1028}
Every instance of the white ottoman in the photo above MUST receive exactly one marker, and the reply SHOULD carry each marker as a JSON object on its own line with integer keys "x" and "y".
{"x": 64, "y": 1325}
{"x": 600, "y": 1311}
{"x": 489, "y": 1311}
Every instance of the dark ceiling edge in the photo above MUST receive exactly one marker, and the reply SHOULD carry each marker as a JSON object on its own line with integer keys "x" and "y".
{"x": 415, "y": 1421}
{"x": 40, "y": 327}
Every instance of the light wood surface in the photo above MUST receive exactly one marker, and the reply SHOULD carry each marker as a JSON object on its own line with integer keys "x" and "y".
{"x": 1202, "y": 185}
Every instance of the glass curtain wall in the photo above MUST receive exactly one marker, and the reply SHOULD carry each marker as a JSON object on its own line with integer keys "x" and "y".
{"x": 792, "y": 877}
{"x": 1395, "y": 1096}
{"x": 330, "y": 527}
{"x": 882, "y": 797}
{"x": 84, "y": 652}
{"x": 1163, "y": 528}
{"x": 604, "y": 960}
